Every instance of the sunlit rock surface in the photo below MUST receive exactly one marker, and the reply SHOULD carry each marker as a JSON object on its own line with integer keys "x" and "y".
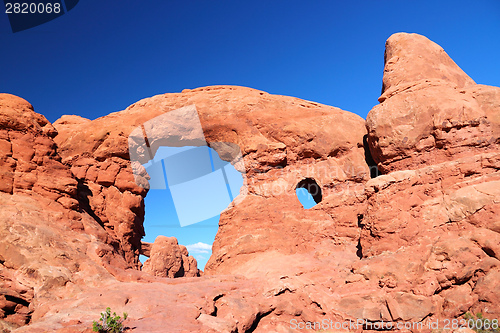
{"x": 420, "y": 242}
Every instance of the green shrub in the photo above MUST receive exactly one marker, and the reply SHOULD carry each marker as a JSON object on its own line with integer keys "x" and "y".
{"x": 482, "y": 325}
{"x": 109, "y": 323}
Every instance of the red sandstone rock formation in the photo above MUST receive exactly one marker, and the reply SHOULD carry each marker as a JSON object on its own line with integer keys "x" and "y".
{"x": 169, "y": 259}
{"x": 430, "y": 110}
{"x": 419, "y": 243}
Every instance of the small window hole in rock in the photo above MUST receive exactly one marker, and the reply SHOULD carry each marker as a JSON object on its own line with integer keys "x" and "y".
{"x": 308, "y": 192}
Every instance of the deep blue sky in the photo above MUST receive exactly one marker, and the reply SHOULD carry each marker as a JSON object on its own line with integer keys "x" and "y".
{"x": 103, "y": 56}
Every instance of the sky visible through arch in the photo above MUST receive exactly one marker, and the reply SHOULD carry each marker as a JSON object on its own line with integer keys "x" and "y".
{"x": 190, "y": 187}
{"x": 102, "y": 56}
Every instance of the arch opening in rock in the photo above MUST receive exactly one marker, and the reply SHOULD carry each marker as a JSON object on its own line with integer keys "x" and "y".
{"x": 171, "y": 153}
{"x": 189, "y": 188}
{"x": 308, "y": 192}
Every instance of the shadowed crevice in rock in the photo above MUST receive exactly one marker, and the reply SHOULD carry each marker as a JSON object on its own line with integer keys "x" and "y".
{"x": 17, "y": 300}
{"x": 257, "y": 321}
{"x": 312, "y": 187}
{"x": 214, "y": 312}
{"x": 83, "y": 194}
{"x": 359, "y": 251}
{"x": 489, "y": 251}
{"x": 374, "y": 171}
{"x": 359, "y": 248}
{"x": 180, "y": 272}
{"x": 360, "y": 220}
{"x": 14, "y": 307}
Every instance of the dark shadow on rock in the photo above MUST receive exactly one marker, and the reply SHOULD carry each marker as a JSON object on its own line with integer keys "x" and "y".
{"x": 83, "y": 194}
{"x": 374, "y": 171}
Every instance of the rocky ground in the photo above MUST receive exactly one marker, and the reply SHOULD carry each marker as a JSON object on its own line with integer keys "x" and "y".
{"x": 407, "y": 229}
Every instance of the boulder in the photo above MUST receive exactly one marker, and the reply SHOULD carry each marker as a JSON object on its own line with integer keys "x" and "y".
{"x": 169, "y": 259}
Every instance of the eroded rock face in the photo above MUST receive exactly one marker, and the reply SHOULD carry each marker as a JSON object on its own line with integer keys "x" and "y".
{"x": 46, "y": 241}
{"x": 169, "y": 259}
{"x": 419, "y": 243}
{"x": 430, "y": 110}
{"x": 106, "y": 189}
{"x": 29, "y": 161}
{"x": 436, "y": 135}
{"x": 282, "y": 140}
{"x": 411, "y": 57}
